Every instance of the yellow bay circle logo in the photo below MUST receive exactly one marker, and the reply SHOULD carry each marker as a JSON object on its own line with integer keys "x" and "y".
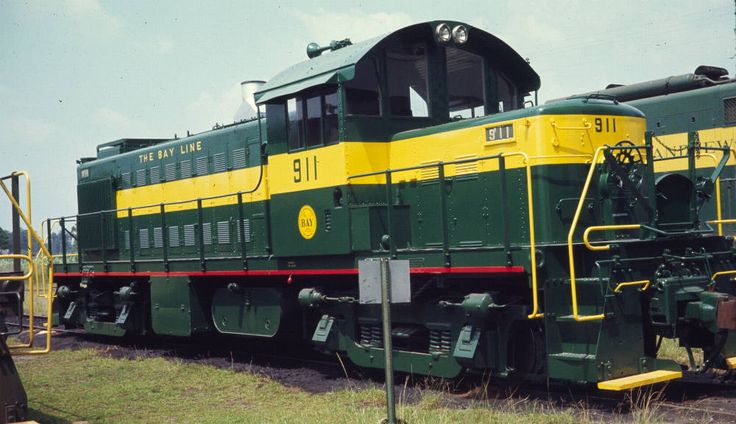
{"x": 307, "y": 222}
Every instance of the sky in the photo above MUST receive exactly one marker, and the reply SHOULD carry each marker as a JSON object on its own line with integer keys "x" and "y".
{"x": 78, "y": 73}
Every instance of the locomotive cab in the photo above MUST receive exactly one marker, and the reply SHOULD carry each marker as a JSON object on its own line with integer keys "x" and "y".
{"x": 423, "y": 75}
{"x": 333, "y": 117}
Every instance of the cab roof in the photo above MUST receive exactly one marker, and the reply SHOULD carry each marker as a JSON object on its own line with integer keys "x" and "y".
{"x": 339, "y": 65}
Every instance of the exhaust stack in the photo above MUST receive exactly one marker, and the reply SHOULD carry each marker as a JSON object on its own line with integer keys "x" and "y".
{"x": 247, "y": 109}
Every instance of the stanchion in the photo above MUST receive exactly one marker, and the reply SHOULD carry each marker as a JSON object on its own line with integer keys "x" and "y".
{"x": 387, "y": 345}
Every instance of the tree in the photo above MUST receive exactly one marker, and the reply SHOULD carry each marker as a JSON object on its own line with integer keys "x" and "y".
{"x": 4, "y": 239}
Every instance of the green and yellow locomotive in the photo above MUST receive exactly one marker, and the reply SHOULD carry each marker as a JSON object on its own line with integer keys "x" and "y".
{"x": 540, "y": 244}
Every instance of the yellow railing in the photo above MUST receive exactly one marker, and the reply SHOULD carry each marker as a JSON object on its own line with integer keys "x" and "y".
{"x": 41, "y": 278}
{"x": 532, "y": 240}
{"x": 719, "y": 216}
{"x": 595, "y": 228}
{"x": 643, "y": 283}
{"x": 720, "y": 273}
{"x": 589, "y": 230}
{"x": 571, "y": 257}
{"x": 27, "y": 348}
{"x": 39, "y": 262}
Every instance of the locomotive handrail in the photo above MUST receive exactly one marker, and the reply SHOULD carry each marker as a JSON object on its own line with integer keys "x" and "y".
{"x": 39, "y": 276}
{"x": 594, "y": 228}
{"x": 719, "y": 213}
{"x": 720, "y": 273}
{"x": 573, "y": 225}
{"x": 26, "y": 348}
{"x": 532, "y": 241}
{"x": 596, "y": 157}
{"x": 570, "y": 251}
{"x": 727, "y": 151}
{"x": 26, "y": 258}
{"x": 644, "y": 283}
{"x": 586, "y": 126}
{"x": 719, "y": 218}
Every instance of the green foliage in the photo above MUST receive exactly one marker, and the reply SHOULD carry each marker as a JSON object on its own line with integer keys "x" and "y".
{"x": 4, "y": 239}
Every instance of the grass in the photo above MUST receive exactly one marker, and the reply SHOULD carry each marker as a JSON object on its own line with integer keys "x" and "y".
{"x": 670, "y": 349}
{"x": 82, "y": 385}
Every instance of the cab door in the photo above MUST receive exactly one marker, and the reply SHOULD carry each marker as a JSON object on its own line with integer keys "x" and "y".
{"x": 306, "y": 170}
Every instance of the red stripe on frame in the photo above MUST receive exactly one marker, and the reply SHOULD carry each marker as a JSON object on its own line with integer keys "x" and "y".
{"x": 283, "y": 272}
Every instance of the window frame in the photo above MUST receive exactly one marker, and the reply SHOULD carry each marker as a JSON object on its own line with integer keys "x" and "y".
{"x": 302, "y": 98}
{"x": 386, "y": 99}
{"x": 379, "y": 61}
{"x": 485, "y": 79}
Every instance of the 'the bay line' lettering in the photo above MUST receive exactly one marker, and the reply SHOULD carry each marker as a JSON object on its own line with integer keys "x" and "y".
{"x": 168, "y": 152}
{"x": 668, "y": 151}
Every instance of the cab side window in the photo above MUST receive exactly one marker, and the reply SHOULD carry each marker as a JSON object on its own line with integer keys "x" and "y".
{"x": 295, "y": 123}
{"x": 311, "y": 119}
{"x": 507, "y": 95}
{"x": 363, "y": 93}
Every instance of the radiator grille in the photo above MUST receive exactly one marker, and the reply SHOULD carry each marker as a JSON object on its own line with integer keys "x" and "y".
{"x": 223, "y": 232}
{"x": 189, "y": 235}
{"x": 125, "y": 179}
{"x": 239, "y": 158}
{"x": 429, "y": 172}
{"x": 219, "y": 162}
{"x": 140, "y": 177}
{"x": 466, "y": 168}
{"x": 170, "y": 171}
{"x": 202, "y": 165}
{"x": 144, "y": 238}
{"x": 174, "y": 236}
{"x": 155, "y": 175}
{"x": 158, "y": 237}
{"x": 246, "y": 228}
{"x": 729, "y": 110}
{"x": 186, "y": 168}
{"x": 207, "y": 233}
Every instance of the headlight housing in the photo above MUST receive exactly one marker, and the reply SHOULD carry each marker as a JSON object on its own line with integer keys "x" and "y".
{"x": 443, "y": 33}
{"x": 460, "y": 34}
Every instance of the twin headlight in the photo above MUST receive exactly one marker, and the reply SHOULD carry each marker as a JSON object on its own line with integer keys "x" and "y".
{"x": 444, "y": 34}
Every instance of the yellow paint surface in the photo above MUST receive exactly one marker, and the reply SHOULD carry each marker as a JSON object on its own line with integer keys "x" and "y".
{"x": 546, "y": 139}
{"x": 639, "y": 380}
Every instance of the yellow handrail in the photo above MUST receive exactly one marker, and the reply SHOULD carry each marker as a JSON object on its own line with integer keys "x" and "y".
{"x": 26, "y": 217}
{"x": 719, "y": 273}
{"x": 644, "y": 283}
{"x": 40, "y": 277}
{"x": 718, "y": 192}
{"x": 586, "y": 126}
{"x": 589, "y": 230}
{"x": 18, "y": 277}
{"x": 571, "y": 258}
{"x": 532, "y": 240}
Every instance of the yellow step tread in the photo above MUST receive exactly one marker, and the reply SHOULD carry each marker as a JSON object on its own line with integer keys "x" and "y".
{"x": 638, "y": 380}
{"x": 731, "y": 362}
